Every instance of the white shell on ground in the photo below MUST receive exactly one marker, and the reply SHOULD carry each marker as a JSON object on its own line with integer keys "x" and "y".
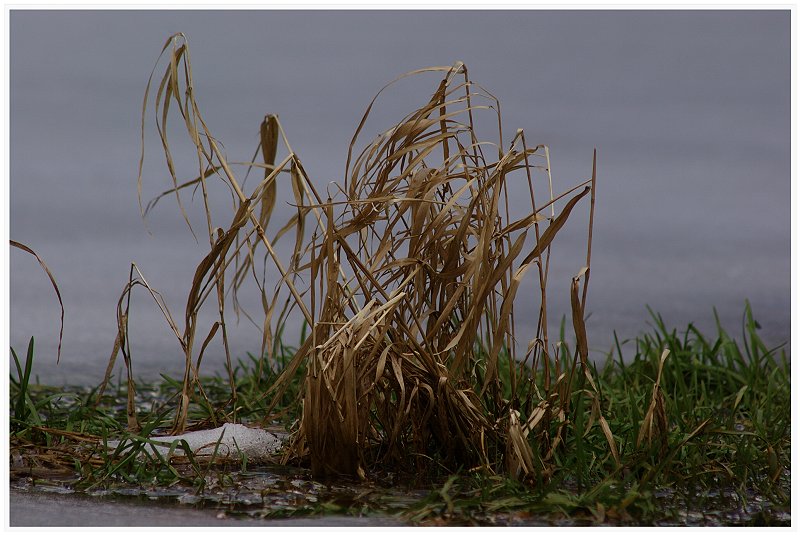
{"x": 230, "y": 440}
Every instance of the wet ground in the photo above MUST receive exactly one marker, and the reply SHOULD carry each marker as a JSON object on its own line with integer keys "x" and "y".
{"x": 275, "y": 497}
{"x": 281, "y": 496}
{"x": 42, "y": 508}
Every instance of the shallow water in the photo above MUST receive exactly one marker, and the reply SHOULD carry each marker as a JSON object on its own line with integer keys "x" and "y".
{"x": 723, "y": 507}
{"x": 289, "y": 496}
{"x": 693, "y": 205}
{"x": 53, "y": 508}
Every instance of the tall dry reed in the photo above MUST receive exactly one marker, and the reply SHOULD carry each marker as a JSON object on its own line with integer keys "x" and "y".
{"x": 407, "y": 277}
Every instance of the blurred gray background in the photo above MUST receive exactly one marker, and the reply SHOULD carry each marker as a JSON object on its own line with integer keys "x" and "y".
{"x": 689, "y": 111}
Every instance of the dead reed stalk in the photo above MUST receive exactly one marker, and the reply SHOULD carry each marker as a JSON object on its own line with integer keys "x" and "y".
{"x": 407, "y": 278}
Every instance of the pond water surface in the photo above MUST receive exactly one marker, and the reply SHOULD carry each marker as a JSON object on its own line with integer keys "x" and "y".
{"x": 689, "y": 112}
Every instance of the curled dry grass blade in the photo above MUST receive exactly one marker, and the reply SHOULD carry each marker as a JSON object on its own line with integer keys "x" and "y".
{"x": 407, "y": 279}
{"x": 47, "y": 271}
{"x": 654, "y": 425}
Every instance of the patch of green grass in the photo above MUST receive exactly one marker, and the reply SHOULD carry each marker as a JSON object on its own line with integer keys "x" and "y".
{"x": 727, "y": 440}
{"x": 728, "y": 413}
{"x": 63, "y": 435}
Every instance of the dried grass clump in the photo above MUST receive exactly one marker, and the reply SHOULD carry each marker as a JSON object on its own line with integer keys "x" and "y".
{"x": 407, "y": 278}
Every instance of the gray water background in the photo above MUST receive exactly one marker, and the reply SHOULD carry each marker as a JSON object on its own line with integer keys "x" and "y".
{"x": 689, "y": 111}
